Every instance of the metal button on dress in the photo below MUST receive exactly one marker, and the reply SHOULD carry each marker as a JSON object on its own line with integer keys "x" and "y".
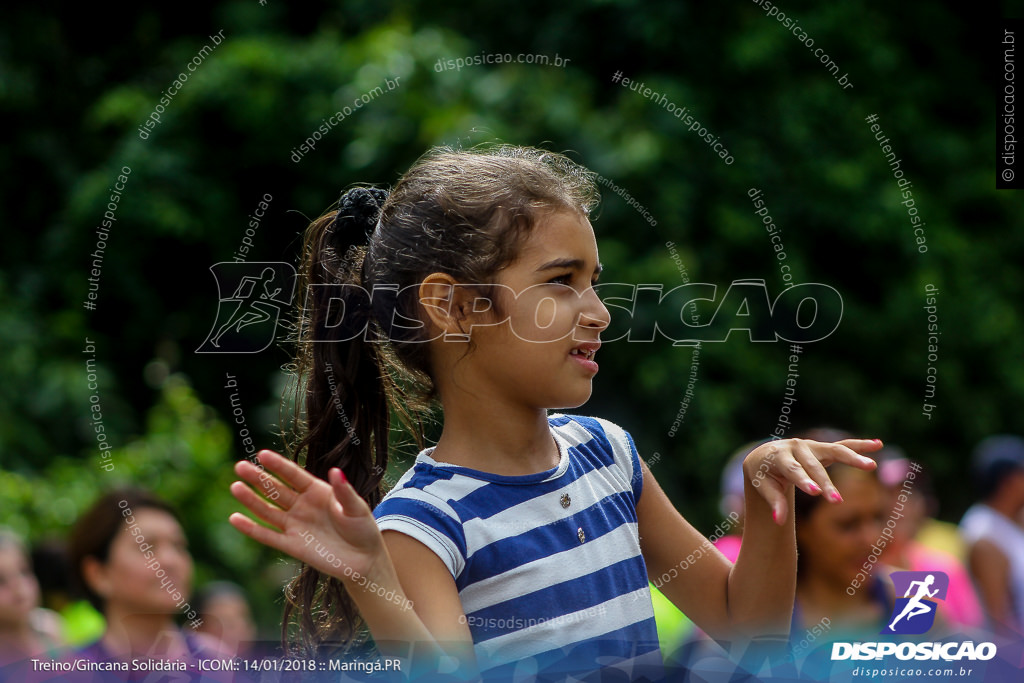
{"x": 579, "y": 532}
{"x": 565, "y": 500}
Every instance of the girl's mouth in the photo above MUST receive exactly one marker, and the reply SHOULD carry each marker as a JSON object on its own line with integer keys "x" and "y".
{"x": 584, "y": 355}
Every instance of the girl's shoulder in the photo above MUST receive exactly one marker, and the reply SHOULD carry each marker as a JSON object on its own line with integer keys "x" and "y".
{"x": 595, "y": 436}
{"x": 586, "y": 429}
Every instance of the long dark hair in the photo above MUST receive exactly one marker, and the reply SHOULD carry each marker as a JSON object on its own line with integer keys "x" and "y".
{"x": 463, "y": 213}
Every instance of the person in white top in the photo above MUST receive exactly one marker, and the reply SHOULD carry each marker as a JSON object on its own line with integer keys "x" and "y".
{"x": 994, "y": 538}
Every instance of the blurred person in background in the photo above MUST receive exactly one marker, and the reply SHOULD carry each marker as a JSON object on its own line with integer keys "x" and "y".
{"x": 226, "y": 617}
{"x": 81, "y": 623}
{"x": 26, "y": 630}
{"x": 995, "y": 538}
{"x": 907, "y": 550}
{"x": 833, "y": 545}
{"x": 131, "y": 556}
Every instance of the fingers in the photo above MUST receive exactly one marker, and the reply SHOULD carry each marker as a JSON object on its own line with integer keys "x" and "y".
{"x": 256, "y": 532}
{"x": 257, "y": 505}
{"x": 774, "y": 494}
{"x": 812, "y": 477}
{"x": 267, "y": 484}
{"x": 813, "y": 456}
{"x": 862, "y": 445}
{"x": 351, "y": 503}
{"x": 287, "y": 471}
{"x": 848, "y": 452}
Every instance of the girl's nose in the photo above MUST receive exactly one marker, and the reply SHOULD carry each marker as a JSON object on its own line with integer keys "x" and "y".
{"x": 594, "y": 314}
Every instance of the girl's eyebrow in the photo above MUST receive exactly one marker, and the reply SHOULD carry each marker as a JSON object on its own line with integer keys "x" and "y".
{"x": 571, "y": 263}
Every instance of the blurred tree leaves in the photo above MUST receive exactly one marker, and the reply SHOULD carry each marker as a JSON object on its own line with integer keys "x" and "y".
{"x": 73, "y": 102}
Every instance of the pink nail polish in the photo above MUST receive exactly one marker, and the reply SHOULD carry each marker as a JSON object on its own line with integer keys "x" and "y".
{"x": 814, "y": 487}
{"x": 775, "y": 515}
{"x": 836, "y": 497}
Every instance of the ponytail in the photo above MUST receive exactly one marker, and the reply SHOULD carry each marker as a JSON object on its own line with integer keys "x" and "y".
{"x": 344, "y": 387}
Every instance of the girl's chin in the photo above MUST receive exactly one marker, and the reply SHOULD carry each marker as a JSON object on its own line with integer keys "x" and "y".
{"x": 572, "y": 403}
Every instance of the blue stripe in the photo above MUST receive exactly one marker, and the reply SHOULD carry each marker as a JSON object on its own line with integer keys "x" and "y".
{"x": 424, "y": 475}
{"x": 540, "y": 542}
{"x": 492, "y": 499}
{"x": 426, "y": 514}
{"x": 559, "y": 421}
{"x": 587, "y": 656}
{"x": 556, "y": 601}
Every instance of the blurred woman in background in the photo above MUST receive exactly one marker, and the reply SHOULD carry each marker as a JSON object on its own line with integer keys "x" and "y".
{"x": 834, "y": 543}
{"x": 131, "y": 556}
{"x": 837, "y": 597}
{"x": 26, "y": 630}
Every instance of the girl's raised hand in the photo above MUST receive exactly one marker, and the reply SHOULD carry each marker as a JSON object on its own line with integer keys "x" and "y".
{"x": 773, "y": 466}
{"x": 326, "y": 525}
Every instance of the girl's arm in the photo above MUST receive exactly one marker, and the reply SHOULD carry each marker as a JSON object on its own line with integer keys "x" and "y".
{"x": 329, "y": 527}
{"x": 754, "y": 597}
{"x": 431, "y": 588}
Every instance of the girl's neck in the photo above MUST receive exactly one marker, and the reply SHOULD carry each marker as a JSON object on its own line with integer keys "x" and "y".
{"x": 503, "y": 440}
{"x": 131, "y": 635}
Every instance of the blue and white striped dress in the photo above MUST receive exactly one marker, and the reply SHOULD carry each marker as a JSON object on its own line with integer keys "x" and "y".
{"x": 547, "y": 565}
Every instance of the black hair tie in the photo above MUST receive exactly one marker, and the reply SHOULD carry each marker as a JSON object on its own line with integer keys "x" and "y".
{"x": 358, "y": 209}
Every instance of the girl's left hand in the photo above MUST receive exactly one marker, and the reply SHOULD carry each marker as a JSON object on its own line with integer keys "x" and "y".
{"x": 773, "y": 466}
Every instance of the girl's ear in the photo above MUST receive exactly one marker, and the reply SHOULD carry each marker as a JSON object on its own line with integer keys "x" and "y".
{"x": 441, "y": 298}
{"x": 453, "y": 308}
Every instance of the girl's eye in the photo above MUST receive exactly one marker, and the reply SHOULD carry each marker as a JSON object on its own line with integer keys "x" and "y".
{"x": 561, "y": 279}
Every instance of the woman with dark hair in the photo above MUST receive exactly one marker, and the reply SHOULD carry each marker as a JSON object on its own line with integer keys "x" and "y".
{"x": 129, "y": 553}
{"x": 840, "y": 592}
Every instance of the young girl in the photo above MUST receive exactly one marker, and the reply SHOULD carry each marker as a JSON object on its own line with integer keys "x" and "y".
{"x": 521, "y": 539}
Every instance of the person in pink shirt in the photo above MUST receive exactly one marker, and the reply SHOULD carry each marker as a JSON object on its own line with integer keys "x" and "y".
{"x": 906, "y": 551}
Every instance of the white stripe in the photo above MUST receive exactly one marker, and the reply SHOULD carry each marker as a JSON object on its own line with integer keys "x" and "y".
{"x": 574, "y": 627}
{"x": 455, "y": 488}
{"x": 573, "y": 432}
{"x": 585, "y": 558}
{"x": 620, "y": 449}
{"x": 591, "y": 488}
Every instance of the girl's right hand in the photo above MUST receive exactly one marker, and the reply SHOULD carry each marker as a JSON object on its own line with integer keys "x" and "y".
{"x": 326, "y": 525}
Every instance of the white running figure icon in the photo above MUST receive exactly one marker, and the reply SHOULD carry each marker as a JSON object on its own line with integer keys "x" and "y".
{"x": 915, "y": 606}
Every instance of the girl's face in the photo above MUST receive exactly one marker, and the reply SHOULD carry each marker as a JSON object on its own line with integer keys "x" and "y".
{"x": 136, "y": 584}
{"x": 835, "y": 540}
{"x": 19, "y": 590}
{"x": 542, "y": 354}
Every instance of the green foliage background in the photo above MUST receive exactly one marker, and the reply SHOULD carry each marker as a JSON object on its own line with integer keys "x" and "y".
{"x": 72, "y": 100}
